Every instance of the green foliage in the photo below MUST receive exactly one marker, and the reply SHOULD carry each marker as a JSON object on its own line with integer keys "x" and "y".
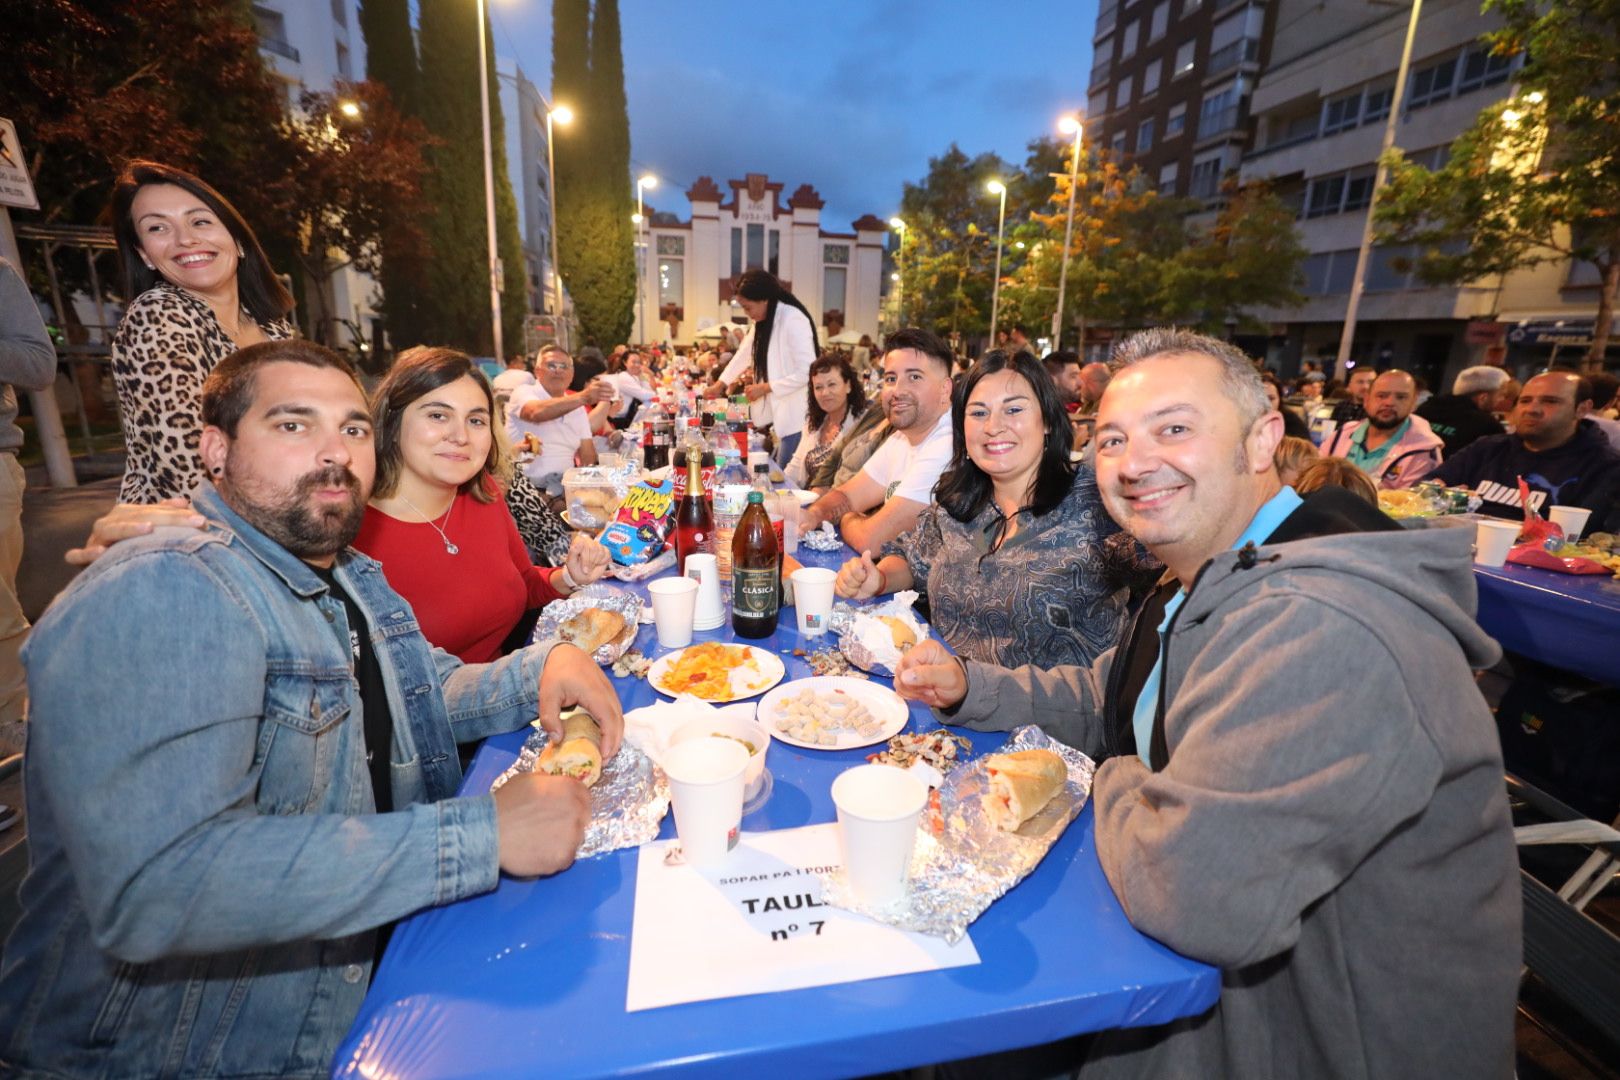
{"x": 608, "y": 287}
{"x": 455, "y": 305}
{"x": 572, "y": 152}
{"x": 391, "y": 51}
{"x": 1535, "y": 178}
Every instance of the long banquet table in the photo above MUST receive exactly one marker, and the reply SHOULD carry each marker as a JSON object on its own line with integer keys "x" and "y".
{"x": 530, "y": 980}
{"x": 1568, "y": 621}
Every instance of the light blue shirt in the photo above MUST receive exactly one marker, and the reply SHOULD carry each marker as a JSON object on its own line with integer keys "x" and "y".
{"x": 1261, "y": 526}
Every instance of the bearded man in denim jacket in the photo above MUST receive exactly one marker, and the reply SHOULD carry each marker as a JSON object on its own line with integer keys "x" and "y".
{"x": 242, "y": 762}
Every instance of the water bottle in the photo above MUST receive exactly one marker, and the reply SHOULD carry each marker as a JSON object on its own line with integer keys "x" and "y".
{"x": 730, "y": 500}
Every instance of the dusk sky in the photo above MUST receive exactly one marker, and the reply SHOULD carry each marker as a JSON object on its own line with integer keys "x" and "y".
{"x": 852, "y": 97}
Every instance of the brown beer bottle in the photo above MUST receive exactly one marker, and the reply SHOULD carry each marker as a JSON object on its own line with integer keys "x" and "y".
{"x": 694, "y": 521}
{"x": 756, "y": 572}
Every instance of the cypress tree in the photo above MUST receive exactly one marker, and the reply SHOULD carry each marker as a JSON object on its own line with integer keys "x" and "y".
{"x": 573, "y": 154}
{"x": 455, "y": 303}
{"x": 611, "y": 314}
{"x": 391, "y": 61}
{"x": 508, "y": 239}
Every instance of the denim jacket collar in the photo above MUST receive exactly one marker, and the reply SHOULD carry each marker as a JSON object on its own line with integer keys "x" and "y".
{"x": 298, "y": 575}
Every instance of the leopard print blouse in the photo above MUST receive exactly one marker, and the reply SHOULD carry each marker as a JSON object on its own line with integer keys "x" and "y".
{"x": 164, "y": 348}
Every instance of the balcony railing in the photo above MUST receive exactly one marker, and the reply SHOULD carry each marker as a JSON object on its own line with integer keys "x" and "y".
{"x": 1218, "y": 123}
{"x": 279, "y": 47}
{"x": 1101, "y": 74}
{"x": 1241, "y": 51}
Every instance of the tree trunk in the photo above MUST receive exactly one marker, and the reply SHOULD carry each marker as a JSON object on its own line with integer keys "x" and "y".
{"x": 1605, "y": 312}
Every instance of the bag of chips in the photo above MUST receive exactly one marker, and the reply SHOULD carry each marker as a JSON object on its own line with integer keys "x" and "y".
{"x": 642, "y": 524}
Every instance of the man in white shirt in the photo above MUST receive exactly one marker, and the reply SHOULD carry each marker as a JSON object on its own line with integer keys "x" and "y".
{"x": 628, "y": 377}
{"x": 561, "y": 422}
{"x": 896, "y": 484}
{"x": 516, "y": 374}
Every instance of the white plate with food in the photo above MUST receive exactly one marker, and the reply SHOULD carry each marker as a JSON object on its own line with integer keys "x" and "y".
{"x": 832, "y": 713}
{"x": 717, "y": 672}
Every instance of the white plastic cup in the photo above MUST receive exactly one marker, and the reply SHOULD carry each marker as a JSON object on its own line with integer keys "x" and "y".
{"x": 878, "y": 808}
{"x": 706, "y": 787}
{"x": 813, "y": 598}
{"x": 674, "y": 603}
{"x": 788, "y": 508}
{"x": 704, "y": 569}
{"x": 1572, "y": 519}
{"x": 1493, "y": 541}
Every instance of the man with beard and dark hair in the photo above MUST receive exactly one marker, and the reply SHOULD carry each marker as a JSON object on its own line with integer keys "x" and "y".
{"x": 242, "y": 765}
{"x": 1391, "y": 445}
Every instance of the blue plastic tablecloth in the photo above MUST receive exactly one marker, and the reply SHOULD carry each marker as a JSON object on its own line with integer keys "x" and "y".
{"x": 1569, "y": 621}
{"x": 530, "y": 980}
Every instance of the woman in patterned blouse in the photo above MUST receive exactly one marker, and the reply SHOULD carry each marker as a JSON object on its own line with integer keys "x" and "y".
{"x": 1019, "y": 562}
{"x": 202, "y": 289}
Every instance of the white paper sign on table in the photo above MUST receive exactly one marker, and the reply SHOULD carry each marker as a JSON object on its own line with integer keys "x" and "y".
{"x": 756, "y": 925}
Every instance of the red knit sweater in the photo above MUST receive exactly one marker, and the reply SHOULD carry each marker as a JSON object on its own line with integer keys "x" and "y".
{"x": 465, "y": 603}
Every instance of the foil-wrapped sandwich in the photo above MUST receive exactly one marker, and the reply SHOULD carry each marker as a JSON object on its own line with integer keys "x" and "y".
{"x": 578, "y": 753}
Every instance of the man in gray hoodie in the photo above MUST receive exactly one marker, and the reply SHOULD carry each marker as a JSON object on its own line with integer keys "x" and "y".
{"x": 1339, "y": 844}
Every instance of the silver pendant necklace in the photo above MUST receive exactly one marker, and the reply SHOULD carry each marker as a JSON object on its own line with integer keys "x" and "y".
{"x": 448, "y": 546}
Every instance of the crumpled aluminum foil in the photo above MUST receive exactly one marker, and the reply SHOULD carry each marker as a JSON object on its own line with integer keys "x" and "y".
{"x": 956, "y": 876}
{"x": 627, "y": 803}
{"x": 824, "y": 538}
{"x": 606, "y": 597}
{"x": 842, "y": 623}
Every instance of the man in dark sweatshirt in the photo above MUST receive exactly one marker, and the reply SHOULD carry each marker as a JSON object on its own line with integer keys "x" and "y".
{"x": 1341, "y": 849}
{"x": 1464, "y": 415}
{"x": 1563, "y": 457}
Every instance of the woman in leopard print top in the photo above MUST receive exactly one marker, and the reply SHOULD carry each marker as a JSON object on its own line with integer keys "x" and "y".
{"x": 203, "y": 288}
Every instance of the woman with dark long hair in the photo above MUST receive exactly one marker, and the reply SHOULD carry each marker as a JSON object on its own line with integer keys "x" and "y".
{"x": 773, "y": 362}
{"x": 836, "y": 403}
{"x": 1018, "y": 559}
{"x": 437, "y": 521}
{"x": 199, "y": 288}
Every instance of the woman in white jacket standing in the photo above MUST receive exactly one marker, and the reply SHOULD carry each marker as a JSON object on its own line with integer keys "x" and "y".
{"x": 776, "y": 353}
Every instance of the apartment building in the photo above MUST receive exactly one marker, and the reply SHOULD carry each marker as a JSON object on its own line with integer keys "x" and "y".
{"x": 523, "y": 109}
{"x": 1171, "y": 83}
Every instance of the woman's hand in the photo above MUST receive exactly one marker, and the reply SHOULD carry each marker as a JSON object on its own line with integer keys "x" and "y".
{"x": 128, "y": 520}
{"x": 757, "y": 390}
{"x": 587, "y": 560}
{"x": 859, "y": 579}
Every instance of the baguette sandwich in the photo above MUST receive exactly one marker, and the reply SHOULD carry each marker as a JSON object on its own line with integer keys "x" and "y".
{"x": 592, "y": 628}
{"x": 1021, "y": 784}
{"x": 578, "y": 753}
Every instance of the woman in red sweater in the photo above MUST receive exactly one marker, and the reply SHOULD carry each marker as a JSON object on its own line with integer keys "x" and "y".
{"x": 437, "y": 521}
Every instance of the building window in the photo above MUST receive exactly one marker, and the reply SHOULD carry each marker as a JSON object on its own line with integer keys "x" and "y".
{"x": 1325, "y": 196}
{"x": 1481, "y": 69}
{"x": 340, "y": 13}
{"x": 1167, "y": 178}
{"x": 671, "y": 282}
{"x": 1235, "y": 40}
{"x": 343, "y": 61}
{"x": 1144, "y": 136}
{"x": 1184, "y": 58}
{"x": 1341, "y": 113}
{"x": 736, "y": 251}
{"x": 1176, "y": 122}
{"x": 774, "y": 265}
{"x": 1117, "y": 143}
{"x": 1097, "y": 104}
{"x": 1383, "y": 275}
{"x": 1160, "y": 19}
{"x": 1127, "y": 41}
{"x": 1150, "y": 78}
{"x": 835, "y": 254}
{"x": 1377, "y": 104}
{"x": 1190, "y": 6}
{"x": 833, "y": 282}
{"x": 672, "y": 245}
{"x": 1220, "y": 109}
{"x": 1205, "y": 180}
{"x": 1122, "y": 92}
{"x": 756, "y": 247}
{"x": 1358, "y": 190}
{"x": 1432, "y": 83}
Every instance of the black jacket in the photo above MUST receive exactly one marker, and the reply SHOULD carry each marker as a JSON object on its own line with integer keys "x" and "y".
{"x": 1458, "y": 421}
{"x": 1585, "y": 471}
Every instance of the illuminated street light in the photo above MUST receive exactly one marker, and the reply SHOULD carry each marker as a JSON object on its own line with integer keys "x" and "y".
{"x": 1068, "y": 125}
{"x": 350, "y": 109}
{"x": 900, "y": 293}
{"x": 645, "y": 182}
{"x": 996, "y": 187}
{"x": 555, "y": 114}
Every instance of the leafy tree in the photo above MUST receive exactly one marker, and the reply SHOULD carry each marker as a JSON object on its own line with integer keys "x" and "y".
{"x": 361, "y": 181}
{"x": 1536, "y": 178}
{"x": 391, "y": 62}
{"x": 456, "y": 301}
{"x": 573, "y": 153}
{"x": 607, "y": 308}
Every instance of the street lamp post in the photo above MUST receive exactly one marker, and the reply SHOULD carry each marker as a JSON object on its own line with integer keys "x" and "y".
{"x": 489, "y": 190}
{"x": 643, "y": 263}
{"x": 1348, "y": 333}
{"x": 1065, "y": 125}
{"x": 559, "y": 114}
{"x": 900, "y": 273}
{"x": 996, "y": 187}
